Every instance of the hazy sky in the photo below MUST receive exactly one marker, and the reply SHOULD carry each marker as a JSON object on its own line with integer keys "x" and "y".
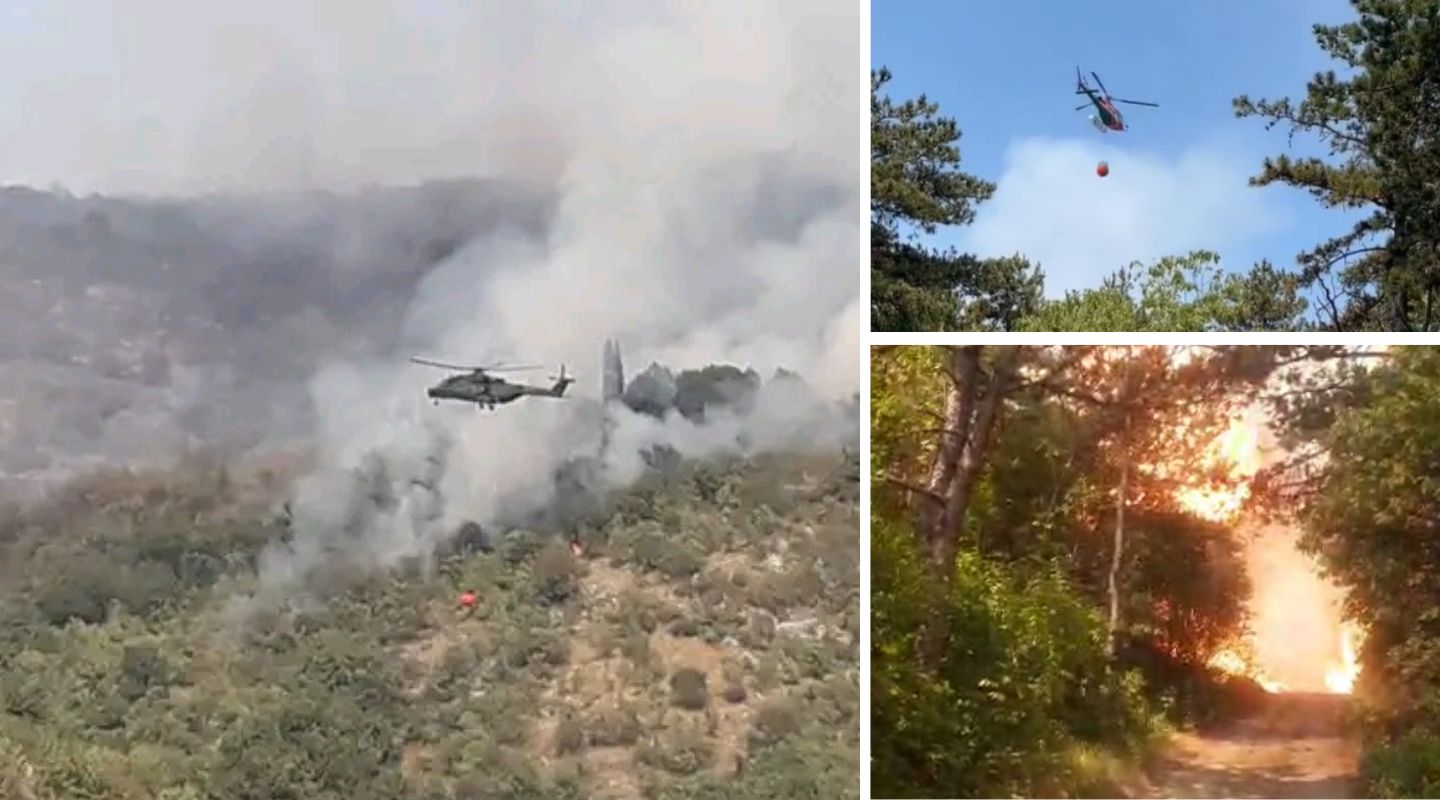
{"x": 1006, "y": 73}
{"x": 153, "y": 95}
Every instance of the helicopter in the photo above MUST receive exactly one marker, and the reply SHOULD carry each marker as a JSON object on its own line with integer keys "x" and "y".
{"x": 1108, "y": 117}
{"x": 484, "y": 389}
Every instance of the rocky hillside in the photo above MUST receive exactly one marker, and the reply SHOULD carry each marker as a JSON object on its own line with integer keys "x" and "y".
{"x": 699, "y": 642}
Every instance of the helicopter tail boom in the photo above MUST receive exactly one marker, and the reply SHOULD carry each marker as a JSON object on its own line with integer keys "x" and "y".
{"x": 562, "y": 382}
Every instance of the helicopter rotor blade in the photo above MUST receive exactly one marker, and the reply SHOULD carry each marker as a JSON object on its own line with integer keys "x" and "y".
{"x": 473, "y": 368}
{"x": 510, "y": 368}
{"x": 1100, "y": 83}
{"x": 442, "y": 365}
{"x": 1136, "y": 102}
{"x": 1082, "y": 108}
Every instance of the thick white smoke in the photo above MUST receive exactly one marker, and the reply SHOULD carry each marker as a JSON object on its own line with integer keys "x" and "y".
{"x": 705, "y": 156}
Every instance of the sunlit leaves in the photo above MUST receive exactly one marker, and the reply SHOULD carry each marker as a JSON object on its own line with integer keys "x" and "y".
{"x": 1188, "y": 293}
{"x": 1023, "y": 676}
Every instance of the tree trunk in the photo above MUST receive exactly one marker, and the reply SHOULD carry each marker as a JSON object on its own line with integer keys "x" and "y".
{"x": 972, "y": 463}
{"x": 935, "y": 513}
{"x": 1126, "y": 398}
{"x": 1118, "y": 551}
{"x": 970, "y": 419}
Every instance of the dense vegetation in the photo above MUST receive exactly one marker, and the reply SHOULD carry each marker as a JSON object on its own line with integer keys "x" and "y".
{"x": 702, "y": 645}
{"x": 1015, "y": 651}
{"x": 1381, "y": 124}
{"x": 1043, "y": 604}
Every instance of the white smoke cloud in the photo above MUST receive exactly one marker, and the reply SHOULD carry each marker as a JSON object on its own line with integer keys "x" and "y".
{"x": 1051, "y": 207}
{"x": 705, "y": 156}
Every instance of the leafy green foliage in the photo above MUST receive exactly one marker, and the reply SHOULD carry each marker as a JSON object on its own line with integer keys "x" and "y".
{"x": 1024, "y": 698}
{"x": 1025, "y": 676}
{"x": 907, "y": 392}
{"x": 1382, "y": 128}
{"x": 689, "y": 690}
{"x": 775, "y": 774}
{"x": 1190, "y": 293}
{"x": 1188, "y": 585}
{"x": 1408, "y": 768}
{"x": 1191, "y": 693}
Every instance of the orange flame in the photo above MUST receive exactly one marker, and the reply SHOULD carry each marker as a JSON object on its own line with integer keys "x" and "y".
{"x": 1341, "y": 679}
{"x": 1233, "y": 661}
{"x": 1237, "y": 453}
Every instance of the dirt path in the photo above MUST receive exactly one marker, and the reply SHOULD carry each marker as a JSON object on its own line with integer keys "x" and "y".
{"x": 1293, "y": 747}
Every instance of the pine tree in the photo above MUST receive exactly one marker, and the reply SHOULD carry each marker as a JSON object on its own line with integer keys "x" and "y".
{"x": 1382, "y": 126}
{"x": 916, "y": 185}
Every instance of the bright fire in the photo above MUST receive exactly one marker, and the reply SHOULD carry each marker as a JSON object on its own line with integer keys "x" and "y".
{"x": 1238, "y": 456}
{"x": 1231, "y": 660}
{"x": 1341, "y": 679}
{"x": 1238, "y": 453}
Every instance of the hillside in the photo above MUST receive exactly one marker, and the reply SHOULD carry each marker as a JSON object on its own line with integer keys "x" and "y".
{"x": 702, "y": 644}
{"x": 134, "y": 328}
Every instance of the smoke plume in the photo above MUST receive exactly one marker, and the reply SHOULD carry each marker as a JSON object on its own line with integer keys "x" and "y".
{"x": 283, "y": 201}
{"x": 703, "y": 164}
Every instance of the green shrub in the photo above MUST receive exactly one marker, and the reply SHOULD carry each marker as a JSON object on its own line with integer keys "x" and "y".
{"x": 688, "y": 628}
{"x": 314, "y": 744}
{"x": 517, "y": 547}
{"x": 614, "y": 727}
{"x": 1410, "y": 767}
{"x": 569, "y": 735}
{"x": 84, "y": 587}
{"x": 682, "y": 753}
{"x": 775, "y": 720}
{"x": 666, "y": 555}
{"x": 1025, "y": 674}
{"x": 792, "y": 769}
{"x": 535, "y": 649}
{"x": 688, "y": 689}
{"x": 556, "y": 572}
{"x": 142, "y": 668}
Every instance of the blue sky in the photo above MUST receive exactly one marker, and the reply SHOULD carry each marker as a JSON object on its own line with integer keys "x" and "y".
{"x": 1006, "y": 71}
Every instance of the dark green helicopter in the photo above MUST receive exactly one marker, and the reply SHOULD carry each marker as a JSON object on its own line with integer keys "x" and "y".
{"x": 485, "y": 390}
